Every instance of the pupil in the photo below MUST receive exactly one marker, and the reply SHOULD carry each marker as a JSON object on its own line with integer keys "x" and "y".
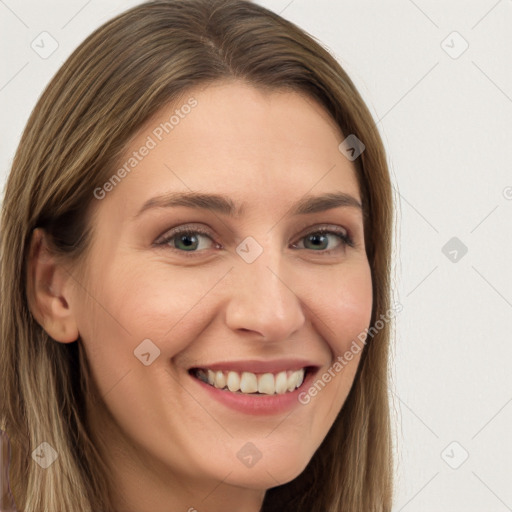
{"x": 186, "y": 243}
{"x": 316, "y": 238}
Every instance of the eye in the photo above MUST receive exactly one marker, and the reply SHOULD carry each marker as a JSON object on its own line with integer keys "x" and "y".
{"x": 188, "y": 239}
{"x": 184, "y": 239}
{"x": 319, "y": 237}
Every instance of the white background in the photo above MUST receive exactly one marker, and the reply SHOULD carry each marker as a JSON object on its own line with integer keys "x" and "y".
{"x": 446, "y": 124}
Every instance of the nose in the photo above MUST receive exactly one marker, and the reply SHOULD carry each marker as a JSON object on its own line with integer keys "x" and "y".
{"x": 262, "y": 299}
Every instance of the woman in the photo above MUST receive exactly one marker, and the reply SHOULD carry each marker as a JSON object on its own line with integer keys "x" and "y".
{"x": 173, "y": 335}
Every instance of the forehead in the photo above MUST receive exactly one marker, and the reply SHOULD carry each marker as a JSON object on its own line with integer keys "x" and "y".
{"x": 234, "y": 139}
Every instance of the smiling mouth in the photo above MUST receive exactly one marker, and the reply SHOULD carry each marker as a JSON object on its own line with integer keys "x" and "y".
{"x": 248, "y": 383}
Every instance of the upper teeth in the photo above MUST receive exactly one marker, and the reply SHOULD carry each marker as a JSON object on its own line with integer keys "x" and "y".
{"x": 247, "y": 382}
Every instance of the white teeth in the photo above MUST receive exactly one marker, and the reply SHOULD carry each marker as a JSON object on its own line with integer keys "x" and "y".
{"x": 300, "y": 378}
{"x": 281, "y": 383}
{"x": 266, "y": 384}
{"x": 248, "y": 382}
{"x": 292, "y": 381}
{"x": 233, "y": 381}
{"x": 220, "y": 380}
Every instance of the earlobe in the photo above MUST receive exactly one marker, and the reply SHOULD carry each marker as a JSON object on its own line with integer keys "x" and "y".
{"x": 48, "y": 288}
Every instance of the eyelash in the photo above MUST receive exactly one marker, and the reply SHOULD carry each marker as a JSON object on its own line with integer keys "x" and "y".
{"x": 344, "y": 237}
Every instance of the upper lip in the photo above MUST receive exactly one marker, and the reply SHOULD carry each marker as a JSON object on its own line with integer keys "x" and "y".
{"x": 255, "y": 366}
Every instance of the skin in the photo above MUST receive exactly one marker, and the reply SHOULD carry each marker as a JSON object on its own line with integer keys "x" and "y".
{"x": 166, "y": 442}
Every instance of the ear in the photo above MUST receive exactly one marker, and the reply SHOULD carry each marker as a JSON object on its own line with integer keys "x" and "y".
{"x": 49, "y": 291}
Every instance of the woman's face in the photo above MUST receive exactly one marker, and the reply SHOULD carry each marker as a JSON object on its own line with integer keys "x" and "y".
{"x": 255, "y": 297}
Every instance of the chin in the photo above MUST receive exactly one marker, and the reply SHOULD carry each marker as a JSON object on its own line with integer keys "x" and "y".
{"x": 271, "y": 470}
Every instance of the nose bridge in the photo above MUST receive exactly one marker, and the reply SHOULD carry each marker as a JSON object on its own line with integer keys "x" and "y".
{"x": 261, "y": 298}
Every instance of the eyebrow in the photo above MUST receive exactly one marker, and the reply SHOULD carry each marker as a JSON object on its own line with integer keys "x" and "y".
{"x": 224, "y": 205}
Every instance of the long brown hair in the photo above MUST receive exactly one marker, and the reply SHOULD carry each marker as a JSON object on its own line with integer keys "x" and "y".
{"x": 109, "y": 87}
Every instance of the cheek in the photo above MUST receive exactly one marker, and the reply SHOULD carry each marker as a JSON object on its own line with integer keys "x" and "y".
{"x": 343, "y": 305}
{"x": 343, "y": 308}
{"x": 153, "y": 301}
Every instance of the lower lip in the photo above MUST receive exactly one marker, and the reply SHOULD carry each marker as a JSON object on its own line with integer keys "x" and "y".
{"x": 256, "y": 404}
